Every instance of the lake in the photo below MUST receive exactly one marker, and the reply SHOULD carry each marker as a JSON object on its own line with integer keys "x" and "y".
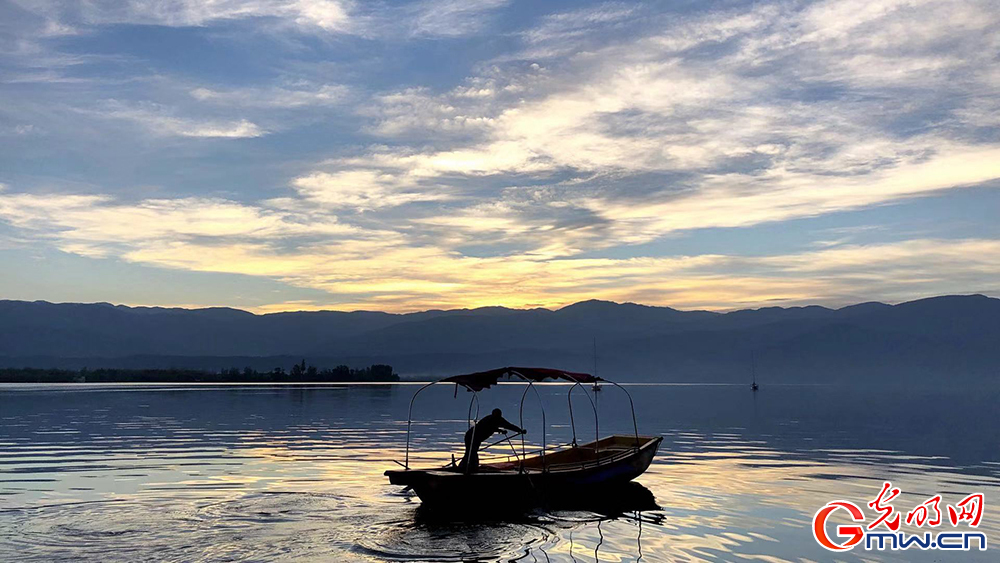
{"x": 283, "y": 473}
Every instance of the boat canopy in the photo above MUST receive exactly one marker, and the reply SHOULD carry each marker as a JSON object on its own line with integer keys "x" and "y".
{"x": 476, "y": 382}
{"x": 483, "y": 379}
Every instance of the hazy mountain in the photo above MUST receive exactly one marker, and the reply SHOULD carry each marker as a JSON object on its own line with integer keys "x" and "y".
{"x": 951, "y": 338}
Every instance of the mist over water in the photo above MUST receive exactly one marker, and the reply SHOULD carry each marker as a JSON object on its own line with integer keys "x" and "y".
{"x": 192, "y": 473}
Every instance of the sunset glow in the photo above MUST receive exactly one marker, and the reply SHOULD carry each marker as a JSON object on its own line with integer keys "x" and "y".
{"x": 339, "y": 155}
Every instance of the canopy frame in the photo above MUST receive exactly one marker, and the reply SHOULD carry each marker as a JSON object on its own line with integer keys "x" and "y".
{"x": 476, "y": 382}
{"x": 572, "y": 423}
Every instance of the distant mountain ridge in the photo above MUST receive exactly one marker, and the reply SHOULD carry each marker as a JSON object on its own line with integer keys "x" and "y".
{"x": 955, "y": 337}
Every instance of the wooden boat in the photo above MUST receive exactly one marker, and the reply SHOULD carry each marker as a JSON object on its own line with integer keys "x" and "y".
{"x": 567, "y": 472}
{"x": 570, "y": 472}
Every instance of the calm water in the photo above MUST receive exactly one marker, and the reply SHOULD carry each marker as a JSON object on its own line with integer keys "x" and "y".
{"x": 126, "y": 473}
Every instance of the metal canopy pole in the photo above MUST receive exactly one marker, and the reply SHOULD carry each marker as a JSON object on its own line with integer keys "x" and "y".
{"x": 632, "y": 406}
{"x": 572, "y": 423}
{"x": 520, "y": 420}
{"x": 409, "y": 421}
{"x": 409, "y": 414}
{"x": 468, "y": 454}
{"x": 521, "y": 416}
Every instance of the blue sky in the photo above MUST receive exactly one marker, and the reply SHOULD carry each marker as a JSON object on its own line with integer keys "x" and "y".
{"x": 325, "y": 154}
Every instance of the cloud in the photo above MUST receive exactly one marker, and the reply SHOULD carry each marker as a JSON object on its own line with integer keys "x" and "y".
{"x": 381, "y": 269}
{"x": 327, "y": 15}
{"x": 361, "y": 189}
{"x": 417, "y": 111}
{"x": 444, "y": 18}
{"x": 158, "y": 121}
{"x": 962, "y": 256}
{"x": 423, "y": 18}
{"x": 562, "y": 33}
{"x": 384, "y": 178}
{"x": 583, "y": 132}
{"x": 726, "y": 118}
{"x": 733, "y": 200}
{"x": 376, "y": 275}
{"x": 97, "y": 225}
{"x": 21, "y": 130}
{"x": 325, "y": 95}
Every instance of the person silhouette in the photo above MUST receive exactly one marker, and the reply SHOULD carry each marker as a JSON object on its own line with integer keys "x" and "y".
{"x": 480, "y": 431}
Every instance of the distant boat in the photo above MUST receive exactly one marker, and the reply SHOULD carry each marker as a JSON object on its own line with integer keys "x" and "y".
{"x": 753, "y": 372}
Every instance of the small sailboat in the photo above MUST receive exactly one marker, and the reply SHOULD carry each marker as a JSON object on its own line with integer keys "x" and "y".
{"x": 753, "y": 372}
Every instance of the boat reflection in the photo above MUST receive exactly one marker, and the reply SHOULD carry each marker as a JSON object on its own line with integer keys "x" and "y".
{"x": 631, "y": 504}
{"x": 611, "y": 502}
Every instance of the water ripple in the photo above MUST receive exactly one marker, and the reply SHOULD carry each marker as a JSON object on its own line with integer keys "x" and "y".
{"x": 217, "y": 473}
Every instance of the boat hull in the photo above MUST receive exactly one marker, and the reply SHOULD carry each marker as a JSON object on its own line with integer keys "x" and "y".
{"x": 510, "y": 485}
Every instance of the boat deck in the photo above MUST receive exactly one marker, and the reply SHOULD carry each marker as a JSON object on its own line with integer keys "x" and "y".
{"x": 606, "y": 450}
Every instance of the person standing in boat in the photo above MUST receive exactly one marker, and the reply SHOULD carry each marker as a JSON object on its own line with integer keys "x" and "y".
{"x": 480, "y": 431}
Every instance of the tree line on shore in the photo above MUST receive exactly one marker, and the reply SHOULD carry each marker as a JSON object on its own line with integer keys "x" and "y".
{"x": 300, "y": 373}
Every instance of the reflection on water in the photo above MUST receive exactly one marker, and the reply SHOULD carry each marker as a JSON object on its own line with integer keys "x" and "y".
{"x": 295, "y": 473}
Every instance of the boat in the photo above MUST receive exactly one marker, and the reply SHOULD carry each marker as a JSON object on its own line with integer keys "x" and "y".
{"x": 753, "y": 372}
{"x": 529, "y": 478}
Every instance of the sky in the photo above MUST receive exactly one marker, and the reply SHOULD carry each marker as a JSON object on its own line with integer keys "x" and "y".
{"x": 277, "y": 155}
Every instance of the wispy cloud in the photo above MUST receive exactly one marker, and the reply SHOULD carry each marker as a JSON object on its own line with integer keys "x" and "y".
{"x": 379, "y": 270}
{"x": 330, "y": 15}
{"x": 96, "y": 225}
{"x": 278, "y": 97}
{"x": 737, "y": 120}
{"x": 415, "y": 111}
{"x": 563, "y": 33}
{"x": 424, "y": 18}
{"x": 361, "y": 189}
{"x": 160, "y": 122}
{"x": 737, "y": 201}
{"x": 443, "y": 18}
{"x": 410, "y": 175}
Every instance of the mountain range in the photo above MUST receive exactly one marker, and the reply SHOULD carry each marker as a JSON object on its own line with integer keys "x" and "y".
{"x": 947, "y": 338}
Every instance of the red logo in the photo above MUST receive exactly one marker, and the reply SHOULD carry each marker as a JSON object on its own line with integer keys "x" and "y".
{"x": 856, "y": 533}
{"x": 928, "y": 513}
